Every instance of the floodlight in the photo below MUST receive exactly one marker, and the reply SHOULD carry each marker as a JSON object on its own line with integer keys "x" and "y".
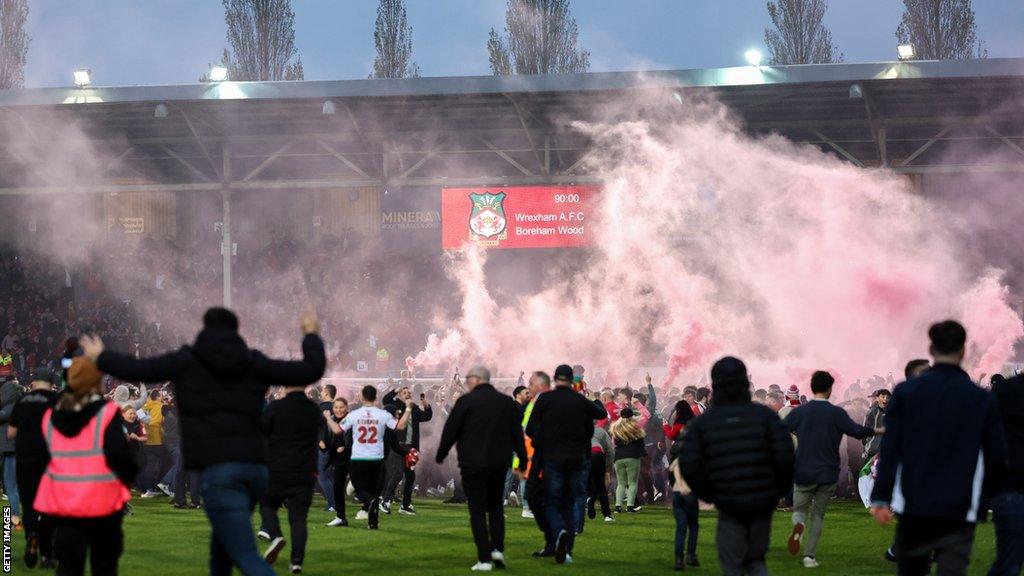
{"x": 677, "y": 97}
{"x": 905, "y": 51}
{"x": 329, "y": 108}
{"x": 856, "y": 91}
{"x": 218, "y": 73}
{"x": 753, "y": 57}
{"x": 160, "y": 111}
{"x": 83, "y": 77}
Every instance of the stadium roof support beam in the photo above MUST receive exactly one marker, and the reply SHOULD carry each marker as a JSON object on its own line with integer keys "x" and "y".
{"x": 192, "y": 168}
{"x": 1016, "y": 147}
{"x": 526, "y": 129}
{"x": 506, "y": 157}
{"x": 924, "y": 147}
{"x": 342, "y": 158}
{"x": 199, "y": 141}
{"x": 263, "y": 165}
{"x": 846, "y": 154}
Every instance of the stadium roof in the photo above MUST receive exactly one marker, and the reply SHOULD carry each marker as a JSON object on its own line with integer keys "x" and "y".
{"x": 908, "y": 116}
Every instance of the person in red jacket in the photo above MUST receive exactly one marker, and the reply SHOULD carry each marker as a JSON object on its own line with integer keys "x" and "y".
{"x": 89, "y": 469}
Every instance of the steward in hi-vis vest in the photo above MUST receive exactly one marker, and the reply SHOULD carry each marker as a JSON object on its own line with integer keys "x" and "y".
{"x": 89, "y": 469}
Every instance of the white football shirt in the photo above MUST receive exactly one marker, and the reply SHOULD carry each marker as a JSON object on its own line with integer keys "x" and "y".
{"x": 367, "y": 425}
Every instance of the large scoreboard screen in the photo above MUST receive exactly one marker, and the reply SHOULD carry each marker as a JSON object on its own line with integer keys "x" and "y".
{"x": 517, "y": 217}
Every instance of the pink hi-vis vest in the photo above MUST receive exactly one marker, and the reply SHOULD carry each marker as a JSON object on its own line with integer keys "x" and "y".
{"x": 78, "y": 483}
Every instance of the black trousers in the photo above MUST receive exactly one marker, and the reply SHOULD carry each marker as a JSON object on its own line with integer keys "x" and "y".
{"x": 919, "y": 540}
{"x": 484, "y": 487}
{"x": 538, "y": 506}
{"x": 367, "y": 476}
{"x": 297, "y": 497}
{"x": 340, "y": 486}
{"x": 193, "y": 478}
{"x": 156, "y": 467}
{"x": 398, "y": 472}
{"x": 99, "y": 538}
{"x": 29, "y": 474}
{"x": 596, "y": 489}
{"x": 742, "y": 544}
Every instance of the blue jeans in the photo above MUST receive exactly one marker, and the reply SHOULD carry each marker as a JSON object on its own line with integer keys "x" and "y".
{"x": 579, "y": 509}
{"x": 174, "y": 452}
{"x": 231, "y": 491}
{"x": 11, "y": 484}
{"x": 686, "y": 512}
{"x": 1008, "y": 515}
{"x": 561, "y": 487}
{"x": 325, "y": 478}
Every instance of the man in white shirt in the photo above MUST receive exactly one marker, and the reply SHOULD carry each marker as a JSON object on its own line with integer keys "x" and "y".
{"x": 368, "y": 424}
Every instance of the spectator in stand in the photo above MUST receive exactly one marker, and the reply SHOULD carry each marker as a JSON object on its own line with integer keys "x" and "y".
{"x": 685, "y": 507}
{"x": 1008, "y": 502}
{"x": 819, "y": 427}
{"x": 943, "y": 440}
{"x": 326, "y": 477}
{"x": 774, "y": 401}
{"x": 25, "y": 428}
{"x": 739, "y": 457}
{"x": 602, "y": 457}
{"x": 629, "y": 450}
{"x": 561, "y": 425}
{"x": 220, "y": 384}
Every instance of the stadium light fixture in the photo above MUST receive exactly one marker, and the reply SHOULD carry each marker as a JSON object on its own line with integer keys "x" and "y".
{"x": 218, "y": 73}
{"x": 753, "y": 57}
{"x": 83, "y": 77}
{"x": 905, "y": 51}
{"x": 856, "y": 91}
{"x": 160, "y": 111}
{"x": 329, "y": 109}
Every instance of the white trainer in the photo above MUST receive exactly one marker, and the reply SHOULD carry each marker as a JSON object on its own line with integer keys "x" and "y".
{"x": 527, "y": 514}
{"x": 498, "y": 559}
{"x": 337, "y": 522}
{"x": 362, "y": 515}
{"x": 482, "y": 567}
{"x": 810, "y": 562}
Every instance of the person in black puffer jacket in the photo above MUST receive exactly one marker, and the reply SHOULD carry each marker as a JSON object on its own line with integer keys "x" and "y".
{"x": 220, "y": 384}
{"x": 739, "y": 457}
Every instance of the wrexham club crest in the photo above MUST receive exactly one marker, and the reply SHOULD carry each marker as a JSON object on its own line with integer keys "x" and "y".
{"x": 487, "y": 222}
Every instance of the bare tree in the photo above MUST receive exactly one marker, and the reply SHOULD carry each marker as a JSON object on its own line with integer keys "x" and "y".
{"x": 940, "y": 30}
{"x": 799, "y": 35}
{"x": 13, "y": 43}
{"x": 541, "y": 38}
{"x": 261, "y": 34}
{"x": 392, "y": 36}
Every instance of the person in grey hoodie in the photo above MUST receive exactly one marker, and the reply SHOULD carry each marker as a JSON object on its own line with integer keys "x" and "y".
{"x": 10, "y": 393}
{"x": 602, "y": 453}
